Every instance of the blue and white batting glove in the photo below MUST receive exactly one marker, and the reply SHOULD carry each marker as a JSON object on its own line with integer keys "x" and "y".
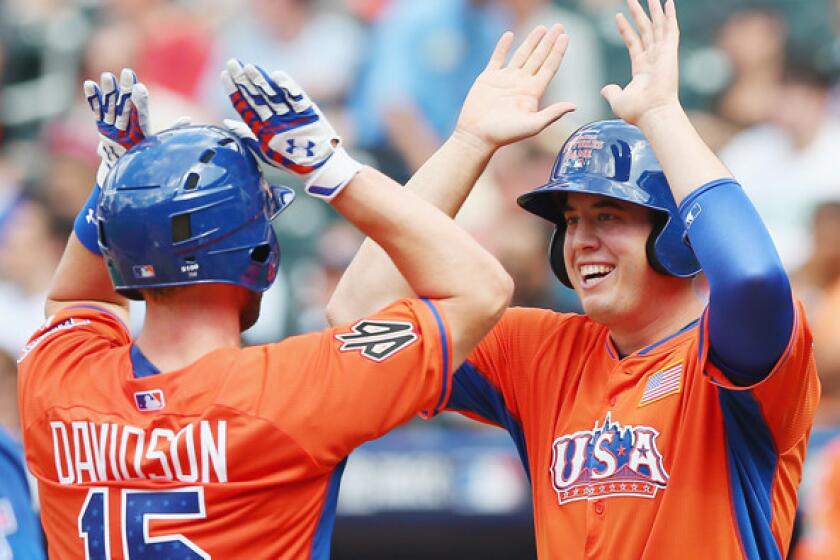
{"x": 287, "y": 129}
{"x": 121, "y": 110}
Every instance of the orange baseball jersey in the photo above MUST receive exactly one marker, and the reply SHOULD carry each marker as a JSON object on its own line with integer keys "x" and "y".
{"x": 655, "y": 455}
{"x": 822, "y": 518}
{"x": 237, "y": 455}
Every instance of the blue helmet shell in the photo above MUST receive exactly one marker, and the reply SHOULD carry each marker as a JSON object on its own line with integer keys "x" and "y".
{"x": 189, "y": 205}
{"x": 614, "y": 159}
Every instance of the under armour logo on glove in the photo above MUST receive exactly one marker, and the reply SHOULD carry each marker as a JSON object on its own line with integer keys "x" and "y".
{"x": 378, "y": 340}
{"x": 286, "y": 129}
{"x": 292, "y": 147}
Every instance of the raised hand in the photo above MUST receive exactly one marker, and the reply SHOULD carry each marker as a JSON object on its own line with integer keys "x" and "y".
{"x": 653, "y": 59}
{"x": 286, "y": 128}
{"x": 503, "y": 103}
{"x": 121, "y": 110}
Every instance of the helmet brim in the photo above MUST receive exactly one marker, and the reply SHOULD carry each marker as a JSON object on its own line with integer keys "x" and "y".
{"x": 544, "y": 202}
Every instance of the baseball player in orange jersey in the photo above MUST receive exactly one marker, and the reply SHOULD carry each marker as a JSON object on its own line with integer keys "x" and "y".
{"x": 181, "y": 444}
{"x": 657, "y": 425}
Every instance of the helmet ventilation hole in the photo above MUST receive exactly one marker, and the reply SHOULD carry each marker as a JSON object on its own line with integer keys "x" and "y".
{"x": 192, "y": 182}
{"x": 207, "y": 156}
{"x": 101, "y": 227}
{"x": 181, "y": 228}
{"x": 225, "y": 141}
{"x": 260, "y": 253}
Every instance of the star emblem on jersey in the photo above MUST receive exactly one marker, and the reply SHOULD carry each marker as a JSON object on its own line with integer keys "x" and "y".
{"x": 377, "y": 340}
{"x": 607, "y": 461}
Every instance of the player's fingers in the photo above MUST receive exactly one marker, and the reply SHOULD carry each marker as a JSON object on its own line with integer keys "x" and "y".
{"x": 239, "y": 128}
{"x": 247, "y": 100}
{"x": 610, "y": 93}
{"x": 631, "y": 41}
{"x": 94, "y": 97}
{"x": 497, "y": 59}
{"x": 109, "y": 97}
{"x": 123, "y": 111}
{"x": 268, "y": 89}
{"x": 227, "y": 82}
{"x": 123, "y": 103}
{"x": 140, "y": 100}
{"x": 553, "y": 112}
{"x": 528, "y": 45}
{"x": 295, "y": 95}
{"x": 672, "y": 28}
{"x": 642, "y": 22}
{"x": 657, "y": 17}
{"x": 552, "y": 63}
{"x": 543, "y": 49}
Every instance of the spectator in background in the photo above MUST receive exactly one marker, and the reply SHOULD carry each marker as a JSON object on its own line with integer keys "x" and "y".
{"x": 321, "y": 49}
{"x": 753, "y": 40}
{"x": 421, "y": 62}
{"x": 30, "y": 247}
{"x": 788, "y": 165}
{"x": 424, "y": 56}
{"x": 20, "y": 529}
{"x": 582, "y": 74}
{"x": 174, "y": 42}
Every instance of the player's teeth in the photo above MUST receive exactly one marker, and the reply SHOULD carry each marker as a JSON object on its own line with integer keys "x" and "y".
{"x": 591, "y": 269}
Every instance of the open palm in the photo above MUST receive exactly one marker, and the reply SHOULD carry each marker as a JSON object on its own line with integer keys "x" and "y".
{"x": 503, "y": 103}
{"x": 653, "y": 60}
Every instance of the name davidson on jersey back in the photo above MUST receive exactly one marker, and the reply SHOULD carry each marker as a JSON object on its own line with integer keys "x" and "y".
{"x": 90, "y": 452}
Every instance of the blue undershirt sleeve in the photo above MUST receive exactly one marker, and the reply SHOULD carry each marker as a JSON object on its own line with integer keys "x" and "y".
{"x": 751, "y": 309}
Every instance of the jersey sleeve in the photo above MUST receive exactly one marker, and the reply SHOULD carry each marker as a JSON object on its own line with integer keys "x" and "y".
{"x": 786, "y": 399}
{"x": 60, "y": 344}
{"x": 490, "y": 385}
{"x": 333, "y": 390}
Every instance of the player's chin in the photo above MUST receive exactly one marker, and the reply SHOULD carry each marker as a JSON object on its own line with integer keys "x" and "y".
{"x": 250, "y": 312}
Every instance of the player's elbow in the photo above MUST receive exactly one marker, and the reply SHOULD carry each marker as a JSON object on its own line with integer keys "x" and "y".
{"x": 491, "y": 295}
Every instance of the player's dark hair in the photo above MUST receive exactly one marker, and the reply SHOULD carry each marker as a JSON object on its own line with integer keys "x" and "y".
{"x": 162, "y": 295}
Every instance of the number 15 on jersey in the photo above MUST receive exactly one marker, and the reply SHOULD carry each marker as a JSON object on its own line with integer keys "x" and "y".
{"x": 138, "y": 509}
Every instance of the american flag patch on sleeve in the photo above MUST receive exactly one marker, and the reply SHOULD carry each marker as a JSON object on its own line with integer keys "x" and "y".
{"x": 662, "y": 383}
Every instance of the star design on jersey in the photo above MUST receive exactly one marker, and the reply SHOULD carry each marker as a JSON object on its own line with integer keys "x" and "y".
{"x": 610, "y": 460}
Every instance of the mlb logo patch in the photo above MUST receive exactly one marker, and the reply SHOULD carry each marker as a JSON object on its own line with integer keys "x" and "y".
{"x": 662, "y": 384}
{"x": 148, "y": 401}
{"x": 144, "y": 271}
{"x": 8, "y": 522}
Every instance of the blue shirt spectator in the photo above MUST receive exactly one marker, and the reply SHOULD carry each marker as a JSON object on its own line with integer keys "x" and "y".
{"x": 424, "y": 57}
{"x": 20, "y": 529}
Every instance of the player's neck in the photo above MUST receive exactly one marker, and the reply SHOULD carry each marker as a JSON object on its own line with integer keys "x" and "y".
{"x": 177, "y": 333}
{"x": 657, "y": 322}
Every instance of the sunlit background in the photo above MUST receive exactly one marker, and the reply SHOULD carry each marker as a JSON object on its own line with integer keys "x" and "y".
{"x": 760, "y": 79}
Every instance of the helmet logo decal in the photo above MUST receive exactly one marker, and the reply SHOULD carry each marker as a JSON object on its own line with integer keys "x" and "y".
{"x": 143, "y": 271}
{"x": 579, "y": 152}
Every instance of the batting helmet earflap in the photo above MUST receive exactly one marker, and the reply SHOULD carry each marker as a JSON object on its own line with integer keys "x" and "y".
{"x": 189, "y": 205}
{"x": 614, "y": 159}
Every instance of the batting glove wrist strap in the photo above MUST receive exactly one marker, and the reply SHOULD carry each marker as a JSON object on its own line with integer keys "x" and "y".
{"x": 331, "y": 178}
{"x": 85, "y": 224}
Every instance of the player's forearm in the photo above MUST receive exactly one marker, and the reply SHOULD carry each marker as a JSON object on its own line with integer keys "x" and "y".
{"x": 371, "y": 281}
{"x": 687, "y": 161}
{"x": 436, "y": 257}
{"x": 81, "y": 276}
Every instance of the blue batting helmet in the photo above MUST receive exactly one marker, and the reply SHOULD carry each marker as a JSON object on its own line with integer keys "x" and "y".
{"x": 614, "y": 159}
{"x": 189, "y": 205}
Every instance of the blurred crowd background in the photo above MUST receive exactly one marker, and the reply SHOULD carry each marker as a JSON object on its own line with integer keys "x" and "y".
{"x": 760, "y": 79}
